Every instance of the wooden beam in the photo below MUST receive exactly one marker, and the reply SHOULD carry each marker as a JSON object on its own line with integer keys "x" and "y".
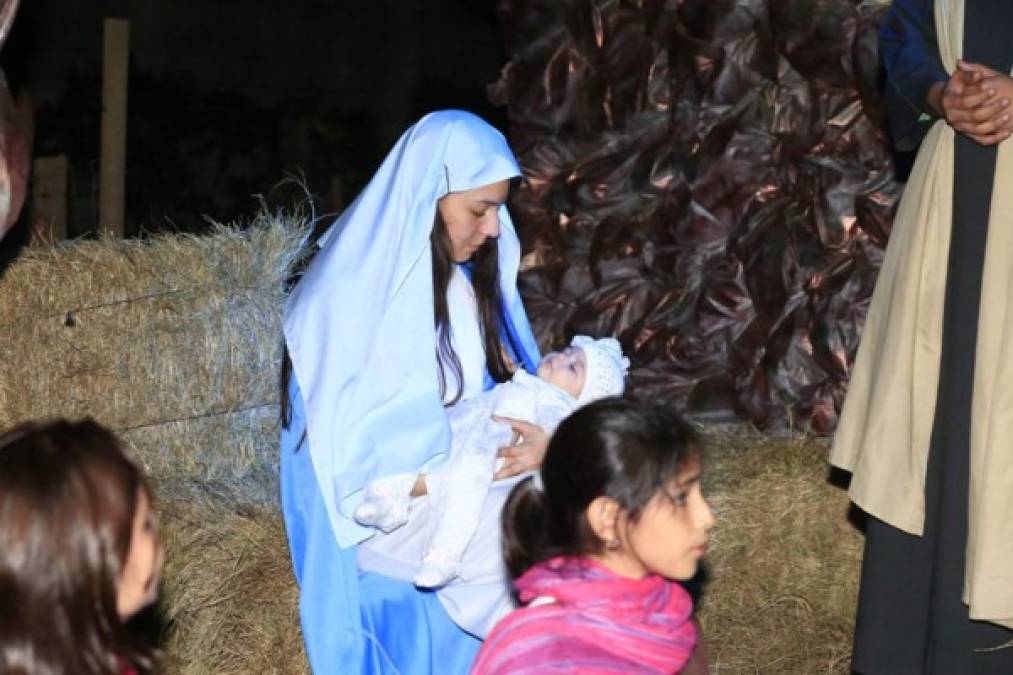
{"x": 113, "y": 161}
{"x": 49, "y": 200}
{"x": 337, "y": 194}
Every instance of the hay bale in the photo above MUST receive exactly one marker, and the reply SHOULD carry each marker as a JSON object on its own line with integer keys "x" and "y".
{"x": 229, "y": 597}
{"x": 784, "y": 558}
{"x": 173, "y": 342}
{"x": 784, "y": 566}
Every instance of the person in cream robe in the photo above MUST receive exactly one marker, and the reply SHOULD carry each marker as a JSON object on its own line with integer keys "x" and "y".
{"x": 927, "y": 427}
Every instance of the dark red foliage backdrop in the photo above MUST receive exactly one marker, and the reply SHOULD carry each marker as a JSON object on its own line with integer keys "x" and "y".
{"x": 709, "y": 181}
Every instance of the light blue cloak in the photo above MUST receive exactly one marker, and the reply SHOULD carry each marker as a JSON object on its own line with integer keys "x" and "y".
{"x": 365, "y": 395}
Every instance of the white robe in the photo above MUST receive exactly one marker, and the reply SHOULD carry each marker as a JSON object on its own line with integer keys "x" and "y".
{"x": 461, "y": 514}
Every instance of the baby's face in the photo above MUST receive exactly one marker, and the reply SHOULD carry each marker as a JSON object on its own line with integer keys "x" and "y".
{"x": 565, "y": 369}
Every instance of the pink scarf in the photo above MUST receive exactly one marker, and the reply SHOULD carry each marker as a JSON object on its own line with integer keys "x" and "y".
{"x": 597, "y": 623}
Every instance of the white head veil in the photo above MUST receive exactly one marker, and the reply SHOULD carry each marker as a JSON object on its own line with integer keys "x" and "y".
{"x": 359, "y": 325}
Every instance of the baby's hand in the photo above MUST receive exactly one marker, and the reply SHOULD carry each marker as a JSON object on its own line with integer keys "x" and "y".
{"x": 526, "y": 450}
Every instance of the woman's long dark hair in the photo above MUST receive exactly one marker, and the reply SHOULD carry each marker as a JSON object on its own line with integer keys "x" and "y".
{"x": 614, "y": 448}
{"x": 485, "y": 281}
{"x": 68, "y": 496}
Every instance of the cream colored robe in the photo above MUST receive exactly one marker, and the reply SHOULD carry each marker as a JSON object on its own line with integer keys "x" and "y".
{"x": 886, "y": 424}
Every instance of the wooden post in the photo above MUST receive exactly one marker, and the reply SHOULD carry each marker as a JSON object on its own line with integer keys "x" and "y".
{"x": 49, "y": 200}
{"x": 113, "y": 162}
{"x": 337, "y": 194}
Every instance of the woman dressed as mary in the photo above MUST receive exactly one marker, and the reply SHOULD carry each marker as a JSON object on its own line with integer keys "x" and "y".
{"x": 409, "y": 306}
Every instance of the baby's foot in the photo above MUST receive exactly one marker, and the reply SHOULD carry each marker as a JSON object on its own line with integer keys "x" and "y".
{"x": 436, "y": 571}
{"x": 385, "y": 503}
{"x": 383, "y": 514}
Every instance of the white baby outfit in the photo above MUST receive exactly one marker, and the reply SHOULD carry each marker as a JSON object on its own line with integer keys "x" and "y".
{"x": 450, "y": 539}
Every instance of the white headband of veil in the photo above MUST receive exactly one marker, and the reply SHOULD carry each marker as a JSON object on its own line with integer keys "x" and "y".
{"x": 359, "y": 324}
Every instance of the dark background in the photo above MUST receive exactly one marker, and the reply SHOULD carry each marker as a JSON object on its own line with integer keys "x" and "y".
{"x": 228, "y": 97}
{"x": 710, "y": 179}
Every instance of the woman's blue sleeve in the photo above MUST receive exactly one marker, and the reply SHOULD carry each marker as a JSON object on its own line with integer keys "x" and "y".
{"x": 910, "y": 55}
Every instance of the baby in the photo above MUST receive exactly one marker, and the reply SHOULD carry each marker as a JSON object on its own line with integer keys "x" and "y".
{"x": 586, "y": 371}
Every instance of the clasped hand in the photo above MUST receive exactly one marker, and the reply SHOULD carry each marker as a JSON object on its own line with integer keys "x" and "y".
{"x": 975, "y": 102}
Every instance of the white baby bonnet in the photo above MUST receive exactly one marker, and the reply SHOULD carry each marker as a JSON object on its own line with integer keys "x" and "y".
{"x": 606, "y": 368}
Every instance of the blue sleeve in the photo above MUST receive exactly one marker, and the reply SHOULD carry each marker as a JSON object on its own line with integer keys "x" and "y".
{"x": 910, "y": 56}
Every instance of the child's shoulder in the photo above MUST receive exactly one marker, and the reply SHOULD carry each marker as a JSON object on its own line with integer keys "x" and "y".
{"x": 522, "y": 638}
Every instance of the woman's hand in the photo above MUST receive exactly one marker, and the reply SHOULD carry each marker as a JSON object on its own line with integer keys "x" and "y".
{"x": 526, "y": 450}
{"x": 975, "y": 102}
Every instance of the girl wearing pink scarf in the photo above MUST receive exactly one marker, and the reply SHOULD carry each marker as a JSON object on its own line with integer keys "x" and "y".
{"x": 595, "y": 542}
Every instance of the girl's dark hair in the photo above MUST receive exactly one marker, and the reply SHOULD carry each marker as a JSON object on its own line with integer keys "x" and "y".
{"x": 485, "y": 281}
{"x": 614, "y": 448}
{"x": 284, "y": 378}
{"x": 68, "y": 496}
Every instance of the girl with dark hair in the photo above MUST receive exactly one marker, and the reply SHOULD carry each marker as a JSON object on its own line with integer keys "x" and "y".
{"x": 409, "y": 306}
{"x": 595, "y": 541}
{"x": 79, "y": 552}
